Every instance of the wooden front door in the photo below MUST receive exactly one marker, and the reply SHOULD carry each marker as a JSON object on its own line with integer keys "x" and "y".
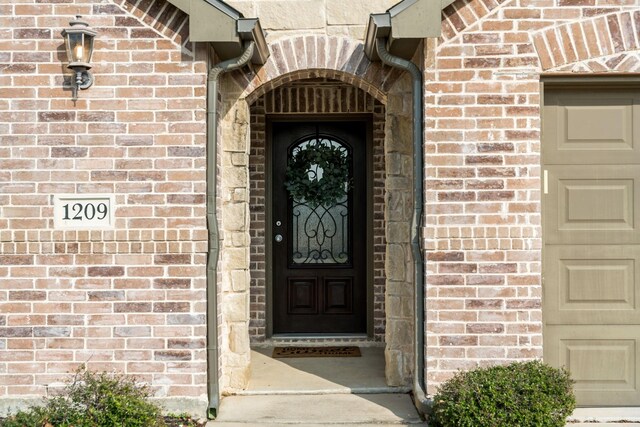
{"x": 319, "y": 251}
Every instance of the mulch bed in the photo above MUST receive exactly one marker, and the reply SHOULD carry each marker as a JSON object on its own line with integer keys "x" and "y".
{"x": 184, "y": 422}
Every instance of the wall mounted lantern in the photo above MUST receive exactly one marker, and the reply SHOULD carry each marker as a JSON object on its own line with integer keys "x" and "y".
{"x": 78, "y": 41}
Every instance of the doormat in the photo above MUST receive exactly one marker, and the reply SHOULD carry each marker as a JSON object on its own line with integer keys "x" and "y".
{"x": 342, "y": 351}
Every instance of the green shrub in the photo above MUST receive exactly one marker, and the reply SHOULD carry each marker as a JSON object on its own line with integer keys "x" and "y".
{"x": 525, "y": 394}
{"x": 93, "y": 400}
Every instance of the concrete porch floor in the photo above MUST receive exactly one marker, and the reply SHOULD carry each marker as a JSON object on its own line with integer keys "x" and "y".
{"x": 318, "y": 391}
{"x": 319, "y": 375}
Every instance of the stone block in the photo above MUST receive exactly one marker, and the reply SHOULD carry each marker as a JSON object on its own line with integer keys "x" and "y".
{"x": 234, "y": 217}
{"x": 399, "y": 183}
{"x": 240, "y": 195}
{"x": 292, "y": 14}
{"x": 396, "y": 264}
{"x": 406, "y": 307}
{"x": 235, "y": 307}
{"x": 399, "y": 205}
{"x": 239, "y": 338}
{"x": 401, "y": 288}
{"x": 239, "y": 239}
{"x": 247, "y": 8}
{"x": 239, "y": 377}
{"x": 355, "y": 32}
{"x": 235, "y": 177}
{"x": 400, "y": 132}
{"x": 393, "y": 303}
{"x": 240, "y": 280}
{"x": 400, "y": 332}
{"x": 356, "y": 12}
{"x": 399, "y": 164}
{"x": 239, "y": 159}
{"x": 235, "y": 259}
{"x": 396, "y": 370}
{"x": 398, "y": 232}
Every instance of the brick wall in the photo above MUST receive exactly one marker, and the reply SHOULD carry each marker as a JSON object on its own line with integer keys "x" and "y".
{"x": 133, "y": 298}
{"x": 483, "y": 166}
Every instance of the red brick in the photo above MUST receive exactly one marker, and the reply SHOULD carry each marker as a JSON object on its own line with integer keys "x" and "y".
{"x": 437, "y": 280}
{"x": 171, "y": 307}
{"x": 27, "y": 295}
{"x": 445, "y": 256}
{"x": 132, "y": 307}
{"x": 484, "y": 328}
{"x": 16, "y": 259}
{"x": 458, "y": 340}
{"x": 484, "y": 304}
{"x": 105, "y": 271}
{"x": 172, "y": 259}
{"x": 457, "y": 268}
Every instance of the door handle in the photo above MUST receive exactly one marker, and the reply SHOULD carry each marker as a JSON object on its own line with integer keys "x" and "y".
{"x": 278, "y": 238}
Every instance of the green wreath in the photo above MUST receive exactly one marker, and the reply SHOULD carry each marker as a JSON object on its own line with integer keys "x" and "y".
{"x": 302, "y": 174}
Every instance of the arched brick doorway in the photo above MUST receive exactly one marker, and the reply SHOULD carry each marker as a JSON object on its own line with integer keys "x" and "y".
{"x": 309, "y": 99}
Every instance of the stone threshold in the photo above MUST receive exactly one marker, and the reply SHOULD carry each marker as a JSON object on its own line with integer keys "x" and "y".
{"x": 318, "y": 340}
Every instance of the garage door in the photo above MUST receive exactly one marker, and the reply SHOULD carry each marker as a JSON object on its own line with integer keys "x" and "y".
{"x": 591, "y": 265}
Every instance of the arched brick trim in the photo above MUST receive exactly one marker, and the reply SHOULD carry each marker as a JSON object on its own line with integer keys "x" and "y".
{"x": 462, "y": 14}
{"x": 618, "y": 63}
{"x": 606, "y": 35}
{"x": 161, "y": 15}
{"x": 318, "y": 56}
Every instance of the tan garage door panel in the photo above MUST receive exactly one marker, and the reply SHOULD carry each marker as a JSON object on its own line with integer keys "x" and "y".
{"x": 573, "y": 127}
{"x": 592, "y": 284}
{"x": 591, "y": 255}
{"x": 602, "y": 360}
{"x": 592, "y": 204}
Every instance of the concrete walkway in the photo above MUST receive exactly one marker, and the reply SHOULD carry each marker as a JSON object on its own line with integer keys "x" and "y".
{"x": 345, "y": 392}
{"x": 323, "y": 409}
{"x": 606, "y": 417}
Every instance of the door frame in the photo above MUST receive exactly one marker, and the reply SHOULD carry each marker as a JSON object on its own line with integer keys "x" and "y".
{"x": 306, "y": 117}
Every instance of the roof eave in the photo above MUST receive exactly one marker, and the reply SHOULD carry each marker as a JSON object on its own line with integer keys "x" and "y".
{"x": 215, "y": 22}
{"x": 404, "y": 26}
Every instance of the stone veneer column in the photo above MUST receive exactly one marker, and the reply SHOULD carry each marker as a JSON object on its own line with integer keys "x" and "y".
{"x": 233, "y": 202}
{"x": 398, "y": 214}
{"x": 333, "y": 58}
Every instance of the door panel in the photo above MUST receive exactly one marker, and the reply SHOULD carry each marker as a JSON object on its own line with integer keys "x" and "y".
{"x": 581, "y": 127}
{"x": 302, "y": 295}
{"x": 602, "y": 360}
{"x": 592, "y": 204}
{"x": 591, "y": 293}
{"x": 339, "y": 295}
{"x": 591, "y": 284}
{"x": 319, "y": 260}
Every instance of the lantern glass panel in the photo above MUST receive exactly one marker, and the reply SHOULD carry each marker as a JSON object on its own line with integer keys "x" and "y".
{"x": 75, "y": 49}
{"x": 88, "y": 47}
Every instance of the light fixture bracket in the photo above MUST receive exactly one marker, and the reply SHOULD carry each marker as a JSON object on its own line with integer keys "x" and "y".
{"x": 79, "y": 46}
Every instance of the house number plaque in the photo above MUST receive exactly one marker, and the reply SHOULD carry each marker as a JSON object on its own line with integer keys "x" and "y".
{"x": 83, "y": 211}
